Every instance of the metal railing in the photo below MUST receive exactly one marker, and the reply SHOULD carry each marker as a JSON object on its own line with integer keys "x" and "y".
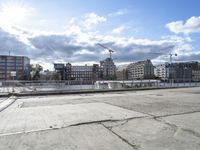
{"x": 16, "y": 86}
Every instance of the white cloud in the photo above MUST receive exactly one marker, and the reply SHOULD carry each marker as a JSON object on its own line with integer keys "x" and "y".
{"x": 43, "y": 20}
{"x": 92, "y": 19}
{"x": 83, "y": 52}
{"x": 191, "y": 25}
{"x": 77, "y": 45}
{"x": 118, "y": 30}
{"x": 72, "y": 20}
{"x": 118, "y": 13}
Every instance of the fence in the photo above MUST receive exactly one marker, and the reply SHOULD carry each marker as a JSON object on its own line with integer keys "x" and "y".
{"x": 17, "y": 86}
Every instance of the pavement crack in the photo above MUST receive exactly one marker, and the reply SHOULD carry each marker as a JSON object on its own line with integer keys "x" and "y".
{"x": 173, "y": 126}
{"x": 176, "y": 128}
{"x": 176, "y": 114}
{"x": 53, "y": 127}
{"x": 124, "y": 121}
{"x": 120, "y": 124}
{"x": 92, "y": 122}
{"x": 135, "y": 147}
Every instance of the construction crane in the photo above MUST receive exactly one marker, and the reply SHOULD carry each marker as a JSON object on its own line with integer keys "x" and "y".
{"x": 110, "y": 50}
{"x": 170, "y": 55}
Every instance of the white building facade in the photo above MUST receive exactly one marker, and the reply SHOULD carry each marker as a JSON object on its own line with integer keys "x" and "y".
{"x": 141, "y": 70}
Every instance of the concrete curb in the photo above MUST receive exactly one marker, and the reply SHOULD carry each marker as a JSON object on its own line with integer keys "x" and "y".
{"x": 89, "y": 91}
{"x": 6, "y": 103}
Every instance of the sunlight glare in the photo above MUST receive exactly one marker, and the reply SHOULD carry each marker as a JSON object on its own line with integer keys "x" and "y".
{"x": 14, "y": 12}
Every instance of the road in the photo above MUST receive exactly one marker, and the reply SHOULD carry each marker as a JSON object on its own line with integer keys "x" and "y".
{"x": 166, "y": 119}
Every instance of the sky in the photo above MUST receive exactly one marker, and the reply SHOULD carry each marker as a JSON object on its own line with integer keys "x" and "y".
{"x": 49, "y": 31}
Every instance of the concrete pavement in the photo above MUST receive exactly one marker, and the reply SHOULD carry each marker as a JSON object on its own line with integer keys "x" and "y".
{"x": 6, "y": 102}
{"x": 147, "y": 120}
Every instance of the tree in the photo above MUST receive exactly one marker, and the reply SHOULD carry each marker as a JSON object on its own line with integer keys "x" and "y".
{"x": 35, "y": 71}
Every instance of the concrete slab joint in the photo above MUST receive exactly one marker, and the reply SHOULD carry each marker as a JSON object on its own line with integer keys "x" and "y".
{"x": 142, "y": 120}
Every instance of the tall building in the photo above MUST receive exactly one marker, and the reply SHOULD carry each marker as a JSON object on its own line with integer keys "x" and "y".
{"x": 70, "y": 72}
{"x": 18, "y": 64}
{"x": 108, "y": 69}
{"x": 141, "y": 70}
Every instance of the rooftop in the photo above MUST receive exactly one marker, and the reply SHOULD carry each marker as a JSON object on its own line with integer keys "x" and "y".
{"x": 149, "y": 120}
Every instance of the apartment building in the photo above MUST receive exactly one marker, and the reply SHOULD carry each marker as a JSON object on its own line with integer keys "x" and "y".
{"x": 81, "y": 72}
{"x": 195, "y": 71}
{"x": 179, "y": 72}
{"x": 160, "y": 71}
{"x": 108, "y": 69}
{"x": 70, "y": 72}
{"x": 196, "y": 75}
{"x": 141, "y": 70}
{"x": 17, "y": 64}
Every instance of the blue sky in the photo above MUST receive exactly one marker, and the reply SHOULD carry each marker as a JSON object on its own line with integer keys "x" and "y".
{"x": 51, "y": 31}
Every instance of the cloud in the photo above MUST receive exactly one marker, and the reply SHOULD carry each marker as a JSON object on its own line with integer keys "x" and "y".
{"x": 72, "y": 47}
{"x": 83, "y": 52}
{"x": 12, "y": 43}
{"x": 86, "y": 23}
{"x": 118, "y": 13}
{"x": 72, "y": 20}
{"x": 191, "y": 25}
{"x": 79, "y": 46}
{"x": 118, "y": 30}
{"x": 92, "y": 19}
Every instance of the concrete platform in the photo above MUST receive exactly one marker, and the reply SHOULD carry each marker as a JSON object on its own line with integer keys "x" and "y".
{"x": 136, "y": 120}
{"x": 85, "y": 137}
{"x": 28, "y": 119}
{"x": 189, "y": 122}
{"x": 4, "y": 103}
{"x": 150, "y": 134}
